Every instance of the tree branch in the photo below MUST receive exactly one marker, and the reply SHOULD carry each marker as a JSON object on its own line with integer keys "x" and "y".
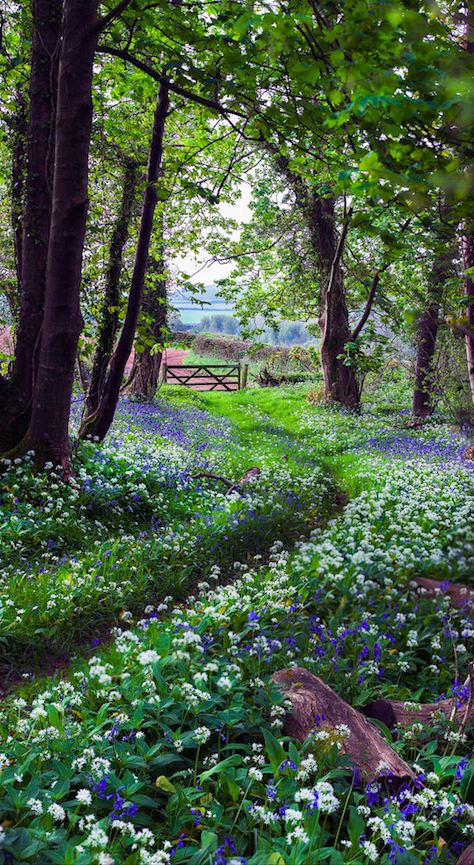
{"x": 114, "y": 13}
{"x": 369, "y": 303}
{"x": 373, "y": 290}
{"x": 212, "y": 104}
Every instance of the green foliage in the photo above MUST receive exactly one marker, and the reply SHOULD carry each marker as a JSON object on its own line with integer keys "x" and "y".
{"x": 367, "y": 354}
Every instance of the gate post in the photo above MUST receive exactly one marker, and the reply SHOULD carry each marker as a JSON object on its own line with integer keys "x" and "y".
{"x": 243, "y": 374}
{"x": 165, "y": 371}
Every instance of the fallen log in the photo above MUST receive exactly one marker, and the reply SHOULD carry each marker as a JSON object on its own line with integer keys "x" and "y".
{"x": 394, "y": 713}
{"x": 469, "y": 453}
{"x": 461, "y": 596}
{"x": 467, "y": 858}
{"x": 314, "y": 702}
{"x": 213, "y": 477}
{"x": 247, "y": 477}
{"x": 232, "y": 486}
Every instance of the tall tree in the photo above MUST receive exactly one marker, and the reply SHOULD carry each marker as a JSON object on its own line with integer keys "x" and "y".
{"x": 36, "y": 219}
{"x": 149, "y": 347}
{"x": 109, "y": 314}
{"x": 340, "y": 384}
{"x": 47, "y": 433}
{"x": 18, "y": 181}
{"x": 98, "y": 425}
{"x": 467, "y": 243}
{"x": 441, "y": 270}
{"x": 468, "y": 264}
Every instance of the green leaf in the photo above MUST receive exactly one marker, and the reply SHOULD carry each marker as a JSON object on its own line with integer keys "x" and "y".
{"x": 235, "y": 760}
{"x": 467, "y": 784}
{"x": 209, "y": 841}
{"x": 355, "y": 825}
{"x": 275, "y": 753}
{"x": 369, "y": 162}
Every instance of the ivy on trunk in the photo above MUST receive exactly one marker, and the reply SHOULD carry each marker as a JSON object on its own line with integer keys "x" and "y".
{"x": 31, "y": 246}
{"x": 147, "y": 361}
{"x": 47, "y": 432}
{"x": 441, "y": 270}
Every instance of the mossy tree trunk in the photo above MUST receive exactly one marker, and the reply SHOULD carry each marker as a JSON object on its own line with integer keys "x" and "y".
{"x": 442, "y": 269}
{"x": 148, "y": 355}
{"x": 32, "y": 228}
{"x": 47, "y": 432}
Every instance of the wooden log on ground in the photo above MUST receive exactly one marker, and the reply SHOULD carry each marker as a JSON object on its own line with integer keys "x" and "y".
{"x": 213, "y": 477}
{"x": 461, "y": 597}
{"x": 313, "y": 700}
{"x": 232, "y": 486}
{"x": 467, "y": 858}
{"x": 395, "y": 713}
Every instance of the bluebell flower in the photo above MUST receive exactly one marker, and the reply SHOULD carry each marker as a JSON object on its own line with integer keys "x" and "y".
{"x": 461, "y": 768}
{"x": 287, "y": 764}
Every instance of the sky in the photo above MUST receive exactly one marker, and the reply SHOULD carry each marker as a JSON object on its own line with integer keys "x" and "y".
{"x": 211, "y": 272}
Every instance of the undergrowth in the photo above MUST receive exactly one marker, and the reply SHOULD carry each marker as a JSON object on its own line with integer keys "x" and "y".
{"x": 167, "y": 746}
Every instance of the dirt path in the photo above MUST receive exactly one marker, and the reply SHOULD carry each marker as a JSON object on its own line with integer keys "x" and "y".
{"x": 175, "y": 356}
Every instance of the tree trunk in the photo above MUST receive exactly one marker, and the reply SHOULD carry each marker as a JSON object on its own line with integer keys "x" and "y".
{"x": 427, "y": 332}
{"x": 397, "y": 713}
{"x": 36, "y": 218}
{"x": 340, "y": 384}
{"x": 109, "y": 319}
{"x": 99, "y": 425}
{"x": 467, "y": 858}
{"x": 19, "y": 162}
{"x": 468, "y": 262}
{"x": 147, "y": 363}
{"x": 48, "y": 430}
{"x": 467, "y": 243}
{"x": 146, "y": 370}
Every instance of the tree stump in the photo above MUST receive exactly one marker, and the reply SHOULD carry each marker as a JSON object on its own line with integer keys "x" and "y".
{"x": 314, "y": 702}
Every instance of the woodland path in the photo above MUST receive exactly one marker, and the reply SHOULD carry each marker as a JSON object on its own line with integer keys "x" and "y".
{"x": 170, "y": 355}
{"x": 175, "y": 356}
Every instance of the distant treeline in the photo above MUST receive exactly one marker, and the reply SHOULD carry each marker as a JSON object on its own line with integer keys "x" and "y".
{"x": 287, "y": 333}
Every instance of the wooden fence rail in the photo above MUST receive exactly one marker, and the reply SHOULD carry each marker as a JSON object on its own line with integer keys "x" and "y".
{"x": 209, "y": 377}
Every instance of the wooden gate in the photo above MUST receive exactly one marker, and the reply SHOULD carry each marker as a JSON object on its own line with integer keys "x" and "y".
{"x": 209, "y": 377}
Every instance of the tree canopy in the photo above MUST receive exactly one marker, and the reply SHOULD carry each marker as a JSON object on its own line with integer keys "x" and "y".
{"x": 350, "y": 122}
